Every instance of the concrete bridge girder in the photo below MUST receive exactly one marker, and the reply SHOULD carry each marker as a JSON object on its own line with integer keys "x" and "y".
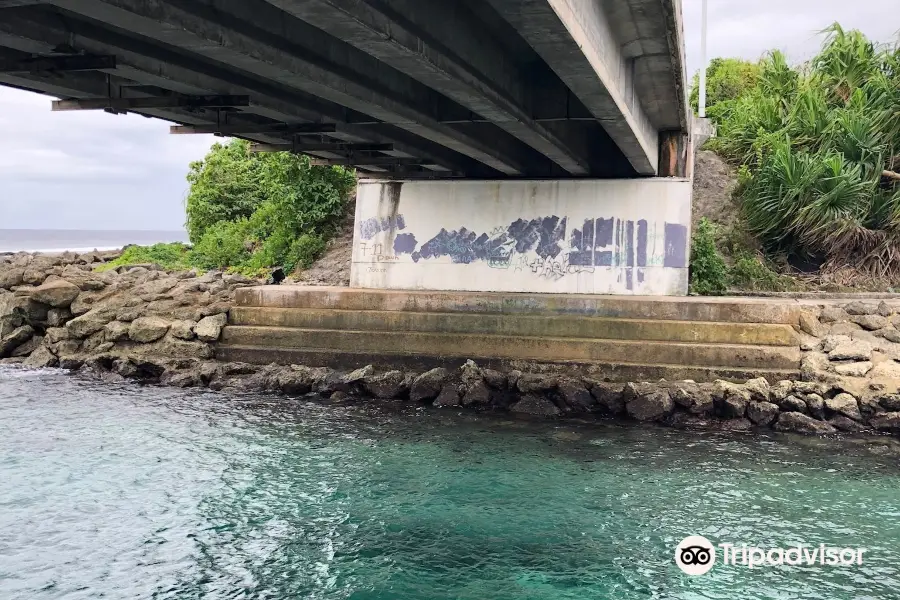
{"x": 137, "y": 64}
{"x": 292, "y": 67}
{"x": 453, "y": 57}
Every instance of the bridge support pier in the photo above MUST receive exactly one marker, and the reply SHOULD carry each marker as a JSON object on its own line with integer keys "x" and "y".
{"x": 584, "y": 236}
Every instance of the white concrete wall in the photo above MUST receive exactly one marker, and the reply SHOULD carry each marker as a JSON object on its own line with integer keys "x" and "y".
{"x": 524, "y": 236}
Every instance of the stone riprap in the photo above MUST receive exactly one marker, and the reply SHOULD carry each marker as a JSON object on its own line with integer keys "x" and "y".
{"x": 58, "y": 310}
{"x": 159, "y": 327}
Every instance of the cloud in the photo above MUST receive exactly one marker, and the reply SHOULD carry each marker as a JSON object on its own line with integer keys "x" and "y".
{"x": 90, "y": 169}
{"x": 748, "y": 29}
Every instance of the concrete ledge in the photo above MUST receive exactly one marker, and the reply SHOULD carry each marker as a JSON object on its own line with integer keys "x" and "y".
{"x": 479, "y": 346}
{"x": 732, "y": 310}
{"x": 601, "y": 371}
{"x": 518, "y": 324}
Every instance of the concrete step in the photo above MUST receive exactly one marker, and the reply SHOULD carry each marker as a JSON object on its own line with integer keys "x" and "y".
{"x": 603, "y": 371}
{"x": 731, "y": 310}
{"x": 550, "y": 349}
{"x": 565, "y": 326}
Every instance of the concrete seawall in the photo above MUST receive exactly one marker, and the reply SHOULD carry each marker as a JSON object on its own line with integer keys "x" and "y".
{"x": 612, "y": 338}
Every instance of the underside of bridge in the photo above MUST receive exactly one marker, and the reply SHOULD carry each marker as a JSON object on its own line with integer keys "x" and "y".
{"x": 487, "y": 89}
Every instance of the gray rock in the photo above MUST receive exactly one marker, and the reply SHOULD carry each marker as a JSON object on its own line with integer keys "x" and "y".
{"x": 861, "y": 308}
{"x": 852, "y": 350}
{"x": 88, "y": 324}
{"x": 357, "y": 375}
{"x": 28, "y": 347}
{"x": 210, "y": 328}
{"x": 104, "y": 347}
{"x": 871, "y": 322}
{"x": 116, "y": 331}
{"x": 148, "y": 329}
{"x": 533, "y": 404}
{"x": 844, "y": 404}
{"x": 83, "y": 303}
{"x": 57, "y": 317}
{"x": 842, "y": 423}
{"x": 495, "y": 379}
{"x": 56, "y": 334}
{"x": 781, "y": 390}
{"x": 34, "y": 276}
{"x": 833, "y": 314}
{"x": 609, "y": 397}
{"x": 696, "y": 399}
{"x": 890, "y": 334}
{"x": 815, "y": 405}
{"x": 477, "y": 394}
{"x": 180, "y": 379}
{"x": 58, "y": 293}
{"x": 130, "y": 313}
{"x": 885, "y": 309}
{"x": 844, "y": 328}
{"x": 575, "y": 397}
{"x": 889, "y": 421}
{"x": 385, "y": 386}
{"x": 449, "y": 396}
{"x": 809, "y": 343}
{"x": 470, "y": 373}
{"x": 338, "y": 397}
{"x": 762, "y": 413}
{"x": 428, "y": 385}
{"x": 855, "y": 369}
{"x": 530, "y": 384}
{"x": 809, "y": 387}
{"x": 647, "y": 403}
{"x": 809, "y": 324}
{"x": 833, "y": 341}
{"x": 793, "y": 404}
{"x": 887, "y": 369}
{"x": 758, "y": 388}
{"x": 41, "y": 358}
{"x": 890, "y": 402}
{"x": 11, "y": 278}
{"x": 795, "y": 422}
{"x": 183, "y": 329}
{"x": 731, "y": 400}
{"x": 14, "y": 304}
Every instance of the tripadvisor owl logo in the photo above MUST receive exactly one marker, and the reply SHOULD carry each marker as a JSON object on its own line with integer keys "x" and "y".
{"x": 695, "y": 555}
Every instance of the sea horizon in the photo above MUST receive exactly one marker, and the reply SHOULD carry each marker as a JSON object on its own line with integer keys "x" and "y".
{"x": 83, "y": 240}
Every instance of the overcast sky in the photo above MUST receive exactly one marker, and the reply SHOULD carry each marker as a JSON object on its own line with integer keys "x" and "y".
{"x": 92, "y": 170}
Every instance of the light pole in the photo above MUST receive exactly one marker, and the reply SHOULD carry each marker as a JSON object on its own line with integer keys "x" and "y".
{"x": 703, "y": 62}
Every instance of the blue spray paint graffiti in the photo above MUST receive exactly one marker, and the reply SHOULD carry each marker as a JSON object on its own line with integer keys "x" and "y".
{"x": 372, "y": 226}
{"x": 600, "y": 242}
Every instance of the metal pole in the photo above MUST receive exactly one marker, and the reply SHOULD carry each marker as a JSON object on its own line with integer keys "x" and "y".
{"x": 703, "y": 62}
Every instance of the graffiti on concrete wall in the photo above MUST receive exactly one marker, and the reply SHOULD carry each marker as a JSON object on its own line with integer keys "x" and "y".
{"x": 547, "y": 247}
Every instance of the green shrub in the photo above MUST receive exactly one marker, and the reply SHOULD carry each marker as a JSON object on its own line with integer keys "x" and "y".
{"x": 225, "y": 186}
{"x": 708, "y": 271}
{"x": 813, "y": 144}
{"x": 174, "y": 256}
{"x": 223, "y": 245}
{"x": 250, "y": 212}
{"x": 750, "y": 273}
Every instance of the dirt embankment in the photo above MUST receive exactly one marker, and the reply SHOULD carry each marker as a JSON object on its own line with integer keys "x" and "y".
{"x": 714, "y": 184}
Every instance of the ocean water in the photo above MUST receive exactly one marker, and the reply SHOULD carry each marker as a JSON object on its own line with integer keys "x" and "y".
{"x": 120, "y": 491}
{"x": 79, "y": 240}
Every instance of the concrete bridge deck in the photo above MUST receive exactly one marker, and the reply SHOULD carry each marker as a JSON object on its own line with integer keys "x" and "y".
{"x": 605, "y": 337}
{"x": 403, "y": 88}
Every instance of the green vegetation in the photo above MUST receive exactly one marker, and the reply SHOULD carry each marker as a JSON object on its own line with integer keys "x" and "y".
{"x": 709, "y": 273}
{"x": 247, "y": 212}
{"x": 175, "y": 256}
{"x": 818, "y": 147}
{"x": 726, "y": 79}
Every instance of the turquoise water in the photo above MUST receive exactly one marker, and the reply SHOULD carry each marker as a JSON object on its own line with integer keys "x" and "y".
{"x": 128, "y": 492}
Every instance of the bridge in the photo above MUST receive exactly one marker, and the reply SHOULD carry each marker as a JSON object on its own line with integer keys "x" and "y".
{"x": 484, "y": 89}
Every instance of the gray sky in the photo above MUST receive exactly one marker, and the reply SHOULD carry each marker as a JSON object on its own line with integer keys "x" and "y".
{"x": 92, "y": 170}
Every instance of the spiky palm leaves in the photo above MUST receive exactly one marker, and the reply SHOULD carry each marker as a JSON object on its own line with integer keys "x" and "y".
{"x": 818, "y": 143}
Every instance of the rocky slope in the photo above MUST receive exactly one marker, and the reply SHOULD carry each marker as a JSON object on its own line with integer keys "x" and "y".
{"x": 56, "y": 310}
{"x": 160, "y": 327}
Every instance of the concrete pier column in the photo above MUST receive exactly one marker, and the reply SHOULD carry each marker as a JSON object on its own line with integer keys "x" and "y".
{"x": 562, "y": 236}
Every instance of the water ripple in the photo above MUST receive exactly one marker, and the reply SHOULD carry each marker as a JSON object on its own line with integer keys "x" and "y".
{"x": 142, "y": 492}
